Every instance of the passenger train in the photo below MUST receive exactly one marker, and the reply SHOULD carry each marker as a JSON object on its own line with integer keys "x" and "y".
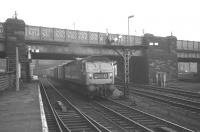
{"x": 94, "y": 75}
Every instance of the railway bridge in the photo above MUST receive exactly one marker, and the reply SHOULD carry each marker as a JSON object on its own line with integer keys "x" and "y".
{"x": 148, "y": 54}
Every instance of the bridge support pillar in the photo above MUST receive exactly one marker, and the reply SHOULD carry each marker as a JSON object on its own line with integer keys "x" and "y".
{"x": 198, "y": 70}
{"x": 162, "y": 57}
{"x": 120, "y": 69}
{"x": 15, "y": 37}
{"x": 139, "y": 70}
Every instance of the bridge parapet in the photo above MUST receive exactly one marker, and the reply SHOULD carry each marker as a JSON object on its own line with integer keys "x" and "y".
{"x": 76, "y": 36}
{"x": 188, "y": 49}
{"x": 188, "y": 45}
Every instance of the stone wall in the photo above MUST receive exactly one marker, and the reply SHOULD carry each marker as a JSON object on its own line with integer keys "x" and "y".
{"x": 162, "y": 57}
{"x": 15, "y": 37}
{"x": 139, "y": 70}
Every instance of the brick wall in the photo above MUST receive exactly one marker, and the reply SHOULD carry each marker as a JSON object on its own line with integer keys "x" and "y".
{"x": 162, "y": 57}
{"x": 15, "y": 36}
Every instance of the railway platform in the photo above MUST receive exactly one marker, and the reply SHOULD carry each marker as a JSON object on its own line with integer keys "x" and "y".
{"x": 20, "y": 110}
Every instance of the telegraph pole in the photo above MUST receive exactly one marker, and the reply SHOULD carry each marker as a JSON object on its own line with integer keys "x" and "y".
{"x": 126, "y": 55}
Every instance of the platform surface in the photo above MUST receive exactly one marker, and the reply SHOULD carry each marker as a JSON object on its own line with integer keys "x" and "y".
{"x": 20, "y": 111}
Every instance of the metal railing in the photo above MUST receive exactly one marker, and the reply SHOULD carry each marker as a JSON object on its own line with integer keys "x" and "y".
{"x": 87, "y": 37}
{"x": 76, "y": 36}
{"x": 188, "y": 45}
{"x": 191, "y": 49}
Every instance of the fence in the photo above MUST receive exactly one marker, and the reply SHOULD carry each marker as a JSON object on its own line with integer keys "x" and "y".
{"x": 7, "y": 81}
{"x": 188, "y": 45}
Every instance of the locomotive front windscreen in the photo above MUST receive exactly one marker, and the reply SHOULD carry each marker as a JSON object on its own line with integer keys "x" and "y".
{"x": 100, "y": 72}
{"x": 99, "y": 67}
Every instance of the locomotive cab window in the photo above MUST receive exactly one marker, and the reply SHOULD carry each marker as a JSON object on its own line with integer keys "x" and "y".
{"x": 106, "y": 66}
{"x": 92, "y": 66}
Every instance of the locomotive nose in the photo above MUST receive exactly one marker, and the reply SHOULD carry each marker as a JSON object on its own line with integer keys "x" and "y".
{"x": 112, "y": 88}
{"x": 91, "y": 88}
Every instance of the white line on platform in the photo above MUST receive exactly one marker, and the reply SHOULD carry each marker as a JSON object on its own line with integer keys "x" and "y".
{"x": 43, "y": 117}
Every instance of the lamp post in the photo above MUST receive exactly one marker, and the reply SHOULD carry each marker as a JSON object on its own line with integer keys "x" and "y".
{"x": 129, "y": 29}
{"x": 126, "y": 57}
{"x": 34, "y": 50}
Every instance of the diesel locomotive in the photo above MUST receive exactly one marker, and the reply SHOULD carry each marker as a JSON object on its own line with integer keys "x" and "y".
{"x": 94, "y": 75}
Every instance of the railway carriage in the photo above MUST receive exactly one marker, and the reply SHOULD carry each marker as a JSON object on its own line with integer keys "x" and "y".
{"x": 50, "y": 72}
{"x": 60, "y": 72}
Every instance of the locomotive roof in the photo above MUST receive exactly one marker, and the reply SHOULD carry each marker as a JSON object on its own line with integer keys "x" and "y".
{"x": 96, "y": 58}
{"x": 90, "y": 59}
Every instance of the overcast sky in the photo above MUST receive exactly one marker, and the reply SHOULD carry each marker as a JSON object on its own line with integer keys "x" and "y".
{"x": 159, "y": 17}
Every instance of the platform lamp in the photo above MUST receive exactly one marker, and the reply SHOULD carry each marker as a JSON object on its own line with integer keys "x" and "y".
{"x": 33, "y": 50}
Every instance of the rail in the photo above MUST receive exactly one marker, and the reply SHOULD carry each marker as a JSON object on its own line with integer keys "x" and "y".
{"x": 73, "y": 117}
{"x": 116, "y": 115}
{"x": 150, "y": 121}
{"x": 171, "y": 90}
{"x": 175, "y": 101}
{"x": 59, "y": 124}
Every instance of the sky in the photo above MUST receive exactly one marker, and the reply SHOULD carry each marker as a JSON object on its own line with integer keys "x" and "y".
{"x": 158, "y": 17}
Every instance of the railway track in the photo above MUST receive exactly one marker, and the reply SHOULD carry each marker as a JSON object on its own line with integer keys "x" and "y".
{"x": 72, "y": 118}
{"x": 172, "y": 90}
{"x": 159, "y": 95}
{"x": 54, "y": 124}
{"x": 169, "y": 90}
{"x": 118, "y": 117}
{"x": 110, "y": 121}
{"x": 175, "y": 101}
{"x": 150, "y": 122}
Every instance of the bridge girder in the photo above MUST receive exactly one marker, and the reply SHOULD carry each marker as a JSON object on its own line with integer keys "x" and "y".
{"x": 71, "y": 51}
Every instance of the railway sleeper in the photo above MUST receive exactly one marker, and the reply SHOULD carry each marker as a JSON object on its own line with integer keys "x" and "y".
{"x": 83, "y": 129}
{"x": 75, "y": 124}
{"x": 72, "y": 121}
